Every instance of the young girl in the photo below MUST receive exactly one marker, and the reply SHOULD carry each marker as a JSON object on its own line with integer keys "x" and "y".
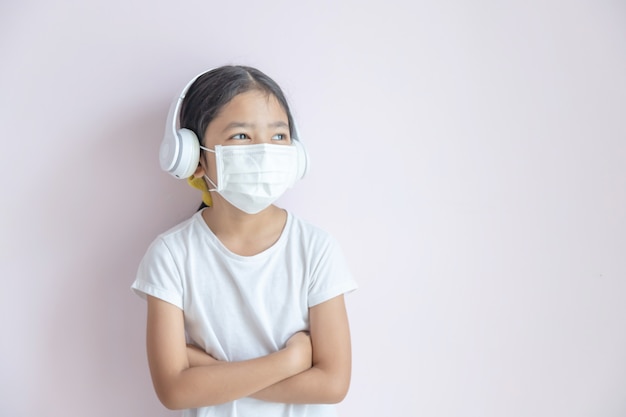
{"x": 246, "y": 314}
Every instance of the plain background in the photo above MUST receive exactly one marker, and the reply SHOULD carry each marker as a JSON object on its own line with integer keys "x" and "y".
{"x": 469, "y": 156}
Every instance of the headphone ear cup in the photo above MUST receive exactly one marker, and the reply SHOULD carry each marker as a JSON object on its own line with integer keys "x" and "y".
{"x": 180, "y": 154}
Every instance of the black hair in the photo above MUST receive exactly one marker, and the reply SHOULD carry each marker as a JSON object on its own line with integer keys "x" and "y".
{"x": 212, "y": 90}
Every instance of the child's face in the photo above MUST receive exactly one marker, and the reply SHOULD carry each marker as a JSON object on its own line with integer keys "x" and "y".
{"x": 249, "y": 118}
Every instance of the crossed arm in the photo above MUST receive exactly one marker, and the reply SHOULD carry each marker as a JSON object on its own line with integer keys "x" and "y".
{"x": 310, "y": 369}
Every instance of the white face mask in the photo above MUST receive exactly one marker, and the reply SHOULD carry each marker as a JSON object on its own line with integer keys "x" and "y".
{"x": 252, "y": 177}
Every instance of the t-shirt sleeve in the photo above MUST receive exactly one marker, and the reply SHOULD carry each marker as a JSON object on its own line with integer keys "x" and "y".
{"x": 330, "y": 275}
{"x": 158, "y": 275}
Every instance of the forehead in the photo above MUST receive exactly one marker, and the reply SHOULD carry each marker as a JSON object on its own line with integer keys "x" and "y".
{"x": 252, "y": 105}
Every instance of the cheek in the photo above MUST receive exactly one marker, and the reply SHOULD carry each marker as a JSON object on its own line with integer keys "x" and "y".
{"x": 209, "y": 165}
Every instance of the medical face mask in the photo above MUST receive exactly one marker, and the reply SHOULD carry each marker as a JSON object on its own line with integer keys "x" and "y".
{"x": 252, "y": 177}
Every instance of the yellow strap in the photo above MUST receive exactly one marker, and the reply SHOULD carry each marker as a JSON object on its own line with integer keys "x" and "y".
{"x": 200, "y": 184}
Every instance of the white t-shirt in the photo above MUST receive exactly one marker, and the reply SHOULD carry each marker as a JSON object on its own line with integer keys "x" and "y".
{"x": 243, "y": 307}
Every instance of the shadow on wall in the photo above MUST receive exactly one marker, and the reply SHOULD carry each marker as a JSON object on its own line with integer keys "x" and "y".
{"x": 107, "y": 200}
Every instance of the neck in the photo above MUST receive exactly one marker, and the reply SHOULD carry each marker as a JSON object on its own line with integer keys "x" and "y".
{"x": 243, "y": 233}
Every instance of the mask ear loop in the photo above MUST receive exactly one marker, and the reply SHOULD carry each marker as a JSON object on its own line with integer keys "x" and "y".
{"x": 206, "y": 177}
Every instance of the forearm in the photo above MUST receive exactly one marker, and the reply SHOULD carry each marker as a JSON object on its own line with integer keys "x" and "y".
{"x": 201, "y": 386}
{"x": 180, "y": 385}
{"x": 313, "y": 386}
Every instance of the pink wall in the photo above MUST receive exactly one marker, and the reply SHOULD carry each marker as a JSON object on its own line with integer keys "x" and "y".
{"x": 469, "y": 158}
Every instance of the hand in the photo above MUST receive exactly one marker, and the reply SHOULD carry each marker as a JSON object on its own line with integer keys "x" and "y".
{"x": 198, "y": 357}
{"x": 302, "y": 351}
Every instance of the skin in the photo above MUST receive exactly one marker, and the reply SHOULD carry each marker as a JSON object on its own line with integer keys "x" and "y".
{"x": 313, "y": 367}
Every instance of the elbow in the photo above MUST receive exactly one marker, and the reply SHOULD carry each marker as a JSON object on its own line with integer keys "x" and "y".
{"x": 334, "y": 385}
{"x": 337, "y": 390}
{"x": 337, "y": 396}
{"x": 172, "y": 395}
{"x": 169, "y": 399}
{"x": 172, "y": 406}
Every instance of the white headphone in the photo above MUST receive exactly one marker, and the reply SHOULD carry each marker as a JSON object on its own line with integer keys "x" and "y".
{"x": 180, "y": 149}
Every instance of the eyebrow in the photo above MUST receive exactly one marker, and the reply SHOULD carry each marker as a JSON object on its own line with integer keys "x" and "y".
{"x": 235, "y": 125}
{"x": 279, "y": 124}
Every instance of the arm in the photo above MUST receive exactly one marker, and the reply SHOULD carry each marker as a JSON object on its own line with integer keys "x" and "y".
{"x": 198, "y": 357}
{"x": 329, "y": 378}
{"x": 180, "y": 386}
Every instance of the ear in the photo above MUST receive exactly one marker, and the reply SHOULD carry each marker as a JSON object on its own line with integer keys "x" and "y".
{"x": 199, "y": 171}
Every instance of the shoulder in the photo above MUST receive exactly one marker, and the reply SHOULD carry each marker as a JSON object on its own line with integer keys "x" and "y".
{"x": 314, "y": 240}
{"x": 307, "y": 230}
{"x": 327, "y": 268}
{"x": 181, "y": 236}
{"x": 183, "y": 230}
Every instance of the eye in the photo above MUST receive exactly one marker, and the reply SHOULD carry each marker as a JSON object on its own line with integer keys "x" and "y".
{"x": 240, "y": 136}
{"x": 279, "y": 136}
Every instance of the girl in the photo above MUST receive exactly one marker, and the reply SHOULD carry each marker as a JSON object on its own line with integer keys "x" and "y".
{"x": 246, "y": 314}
